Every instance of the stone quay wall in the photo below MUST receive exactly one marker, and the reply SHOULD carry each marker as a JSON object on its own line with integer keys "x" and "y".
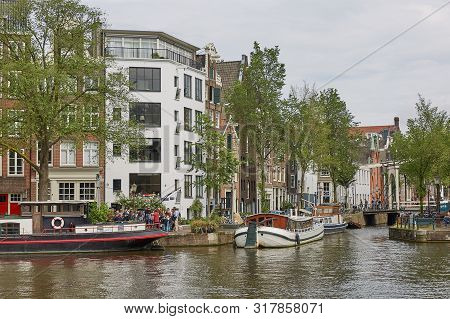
{"x": 420, "y": 235}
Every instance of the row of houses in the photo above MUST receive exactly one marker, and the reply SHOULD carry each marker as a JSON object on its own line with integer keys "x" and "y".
{"x": 173, "y": 84}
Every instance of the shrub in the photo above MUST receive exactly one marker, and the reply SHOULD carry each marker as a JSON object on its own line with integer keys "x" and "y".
{"x": 98, "y": 214}
{"x": 203, "y": 226}
{"x": 197, "y": 208}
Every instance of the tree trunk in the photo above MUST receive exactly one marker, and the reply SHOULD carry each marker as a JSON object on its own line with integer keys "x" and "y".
{"x": 302, "y": 187}
{"x": 42, "y": 186}
{"x": 262, "y": 188}
{"x": 334, "y": 191}
{"x": 438, "y": 198}
{"x": 208, "y": 198}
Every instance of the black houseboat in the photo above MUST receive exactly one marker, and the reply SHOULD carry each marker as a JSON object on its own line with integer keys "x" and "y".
{"x": 61, "y": 227}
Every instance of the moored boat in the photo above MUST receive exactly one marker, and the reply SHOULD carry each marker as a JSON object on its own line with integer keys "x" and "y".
{"x": 69, "y": 231}
{"x": 273, "y": 230}
{"x": 330, "y": 217}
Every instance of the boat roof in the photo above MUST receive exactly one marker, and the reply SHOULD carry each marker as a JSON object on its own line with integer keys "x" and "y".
{"x": 300, "y": 218}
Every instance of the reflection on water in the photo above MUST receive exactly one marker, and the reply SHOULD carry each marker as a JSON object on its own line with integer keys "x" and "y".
{"x": 356, "y": 264}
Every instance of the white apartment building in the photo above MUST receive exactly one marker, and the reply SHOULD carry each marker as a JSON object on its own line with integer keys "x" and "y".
{"x": 359, "y": 190}
{"x": 168, "y": 85}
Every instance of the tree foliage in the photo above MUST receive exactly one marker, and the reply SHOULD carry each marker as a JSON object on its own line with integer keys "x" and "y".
{"x": 424, "y": 151}
{"x": 255, "y": 103}
{"x": 140, "y": 202}
{"x": 54, "y": 84}
{"x": 213, "y": 159}
{"x": 306, "y": 130}
{"x": 342, "y": 147}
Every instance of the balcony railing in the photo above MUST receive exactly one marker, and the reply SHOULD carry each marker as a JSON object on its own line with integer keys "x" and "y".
{"x": 147, "y": 53}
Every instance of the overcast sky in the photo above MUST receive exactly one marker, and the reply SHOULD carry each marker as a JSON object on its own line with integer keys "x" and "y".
{"x": 318, "y": 40}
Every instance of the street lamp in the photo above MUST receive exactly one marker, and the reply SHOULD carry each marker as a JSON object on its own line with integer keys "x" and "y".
{"x": 437, "y": 182}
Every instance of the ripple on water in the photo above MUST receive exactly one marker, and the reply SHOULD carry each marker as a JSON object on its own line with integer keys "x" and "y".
{"x": 357, "y": 264}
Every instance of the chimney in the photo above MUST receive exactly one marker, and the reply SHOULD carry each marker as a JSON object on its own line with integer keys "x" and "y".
{"x": 397, "y": 122}
{"x": 244, "y": 60}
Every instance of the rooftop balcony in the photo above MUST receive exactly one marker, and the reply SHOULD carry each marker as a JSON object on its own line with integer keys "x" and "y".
{"x": 148, "y": 53}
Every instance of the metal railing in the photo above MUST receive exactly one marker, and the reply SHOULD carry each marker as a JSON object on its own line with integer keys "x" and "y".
{"x": 148, "y": 53}
{"x": 415, "y": 222}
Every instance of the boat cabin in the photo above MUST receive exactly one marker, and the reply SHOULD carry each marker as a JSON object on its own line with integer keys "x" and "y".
{"x": 56, "y": 215}
{"x": 280, "y": 221}
{"x": 327, "y": 210}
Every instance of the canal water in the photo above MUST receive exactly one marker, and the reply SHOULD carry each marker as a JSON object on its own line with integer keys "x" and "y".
{"x": 356, "y": 264}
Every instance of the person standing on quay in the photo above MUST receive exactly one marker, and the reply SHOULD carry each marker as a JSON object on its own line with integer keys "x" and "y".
{"x": 175, "y": 217}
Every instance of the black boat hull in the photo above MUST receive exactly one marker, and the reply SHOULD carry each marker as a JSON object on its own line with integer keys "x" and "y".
{"x": 78, "y": 243}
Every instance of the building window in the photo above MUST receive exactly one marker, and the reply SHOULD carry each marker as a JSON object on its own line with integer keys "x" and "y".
{"x": 90, "y": 154}
{"x": 91, "y": 117}
{"x": 117, "y": 114}
{"x": 176, "y": 81}
{"x": 187, "y": 152}
{"x": 67, "y": 154}
{"x": 187, "y": 86}
{"x": 16, "y": 198}
{"x": 177, "y": 150}
{"x": 50, "y": 155}
{"x": 117, "y": 150}
{"x": 66, "y": 191}
{"x": 198, "y": 89}
{"x": 149, "y": 152}
{"x": 229, "y": 141}
{"x": 187, "y": 119}
{"x": 147, "y": 114}
{"x": 199, "y": 186}
{"x": 145, "y": 79}
{"x": 188, "y": 186}
{"x": 87, "y": 191}
{"x": 198, "y": 121}
{"x": 217, "y": 120}
{"x": 198, "y": 152}
{"x": 216, "y": 95}
{"x": 176, "y": 116}
{"x": 117, "y": 185}
{"x": 16, "y": 119}
{"x": 147, "y": 184}
{"x": 15, "y": 163}
{"x": 324, "y": 172}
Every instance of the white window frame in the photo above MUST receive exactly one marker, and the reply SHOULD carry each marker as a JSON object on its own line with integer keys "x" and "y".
{"x": 87, "y": 151}
{"x": 18, "y": 198}
{"x": 64, "y": 188}
{"x": 67, "y": 150}
{"x": 82, "y": 196}
{"x": 17, "y": 158}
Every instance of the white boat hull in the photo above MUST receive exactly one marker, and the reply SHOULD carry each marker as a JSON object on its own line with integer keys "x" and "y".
{"x": 271, "y": 237}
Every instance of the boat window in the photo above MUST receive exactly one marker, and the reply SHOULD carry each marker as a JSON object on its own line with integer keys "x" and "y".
{"x": 10, "y": 229}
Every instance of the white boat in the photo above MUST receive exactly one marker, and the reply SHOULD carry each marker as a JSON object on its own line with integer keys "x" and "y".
{"x": 276, "y": 231}
{"x": 331, "y": 218}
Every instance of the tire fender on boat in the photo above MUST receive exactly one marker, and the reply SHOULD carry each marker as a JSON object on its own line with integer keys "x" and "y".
{"x": 297, "y": 238}
{"x": 61, "y": 225}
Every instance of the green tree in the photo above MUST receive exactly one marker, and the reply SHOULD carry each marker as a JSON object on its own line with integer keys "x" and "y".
{"x": 423, "y": 151}
{"x": 342, "y": 147}
{"x": 213, "y": 158}
{"x": 54, "y": 80}
{"x": 345, "y": 174}
{"x": 196, "y": 208}
{"x": 255, "y": 103}
{"x": 140, "y": 202}
{"x": 306, "y": 129}
{"x": 98, "y": 213}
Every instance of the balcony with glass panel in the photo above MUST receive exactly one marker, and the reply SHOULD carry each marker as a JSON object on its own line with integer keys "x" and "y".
{"x": 141, "y": 48}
